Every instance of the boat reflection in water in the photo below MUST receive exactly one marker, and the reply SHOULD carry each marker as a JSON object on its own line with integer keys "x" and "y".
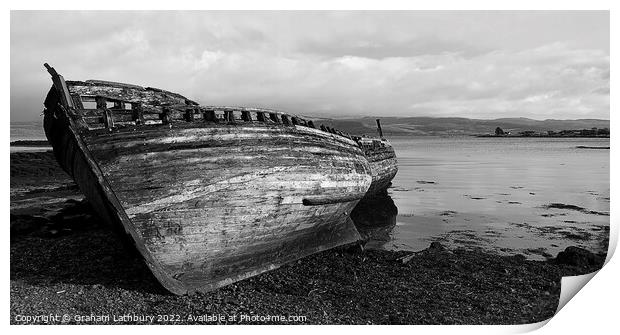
{"x": 375, "y": 218}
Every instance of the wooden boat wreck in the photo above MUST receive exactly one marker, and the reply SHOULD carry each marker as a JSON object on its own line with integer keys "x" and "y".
{"x": 382, "y": 159}
{"x": 209, "y": 195}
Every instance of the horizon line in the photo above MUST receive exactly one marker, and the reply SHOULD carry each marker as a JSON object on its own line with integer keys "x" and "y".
{"x": 419, "y": 116}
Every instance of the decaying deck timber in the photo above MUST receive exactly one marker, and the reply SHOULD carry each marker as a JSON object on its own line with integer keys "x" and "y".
{"x": 209, "y": 195}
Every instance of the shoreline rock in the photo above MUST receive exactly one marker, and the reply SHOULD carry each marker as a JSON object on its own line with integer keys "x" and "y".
{"x": 580, "y": 258}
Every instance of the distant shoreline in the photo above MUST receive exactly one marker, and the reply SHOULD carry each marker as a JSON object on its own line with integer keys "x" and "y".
{"x": 45, "y": 143}
{"x": 590, "y": 147}
{"x": 553, "y": 136}
{"x": 30, "y": 143}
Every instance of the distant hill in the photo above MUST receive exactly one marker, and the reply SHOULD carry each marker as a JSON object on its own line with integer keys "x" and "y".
{"x": 455, "y": 125}
{"x": 397, "y": 126}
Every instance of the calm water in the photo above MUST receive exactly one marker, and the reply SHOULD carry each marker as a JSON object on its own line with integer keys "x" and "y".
{"x": 27, "y": 131}
{"x": 486, "y": 193}
{"x": 492, "y": 193}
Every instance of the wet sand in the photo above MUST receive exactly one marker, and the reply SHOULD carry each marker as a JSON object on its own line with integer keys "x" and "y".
{"x": 64, "y": 260}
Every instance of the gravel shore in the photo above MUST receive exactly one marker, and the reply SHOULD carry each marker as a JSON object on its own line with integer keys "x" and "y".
{"x": 68, "y": 267}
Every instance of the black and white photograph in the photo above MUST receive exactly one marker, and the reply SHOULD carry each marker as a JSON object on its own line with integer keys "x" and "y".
{"x": 306, "y": 167}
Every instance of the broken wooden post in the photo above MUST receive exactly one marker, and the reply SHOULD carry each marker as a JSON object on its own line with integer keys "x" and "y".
{"x": 119, "y": 105}
{"x": 260, "y": 116}
{"x": 379, "y": 128}
{"x": 108, "y": 122}
{"x": 285, "y": 120}
{"x": 209, "y": 115}
{"x": 245, "y": 116}
{"x": 137, "y": 112}
{"x": 101, "y": 103}
{"x": 61, "y": 86}
{"x": 274, "y": 117}
{"x": 165, "y": 116}
{"x": 189, "y": 115}
{"x": 229, "y": 117}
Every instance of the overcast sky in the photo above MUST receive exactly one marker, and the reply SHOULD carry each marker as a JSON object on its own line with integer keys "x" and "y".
{"x": 474, "y": 64}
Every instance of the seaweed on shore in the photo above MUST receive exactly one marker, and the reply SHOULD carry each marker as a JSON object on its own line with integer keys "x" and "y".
{"x": 557, "y": 205}
{"x": 473, "y": 197}
{"x": 96, "y": 274}
{"x": 30, "y": 143}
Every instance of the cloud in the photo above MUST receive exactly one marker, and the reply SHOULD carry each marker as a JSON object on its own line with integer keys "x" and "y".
{"x": 472, "y": 64}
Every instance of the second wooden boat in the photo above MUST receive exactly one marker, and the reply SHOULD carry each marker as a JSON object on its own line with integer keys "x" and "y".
{"x": 382, "y": 159}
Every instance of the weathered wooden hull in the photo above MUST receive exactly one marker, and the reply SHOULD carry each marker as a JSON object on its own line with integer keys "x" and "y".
{"x": 209, "y": 203}
{"x": 383, "y": 168}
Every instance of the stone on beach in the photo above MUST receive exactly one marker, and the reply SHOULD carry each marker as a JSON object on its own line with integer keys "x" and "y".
{"x": 577, "y": 256}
